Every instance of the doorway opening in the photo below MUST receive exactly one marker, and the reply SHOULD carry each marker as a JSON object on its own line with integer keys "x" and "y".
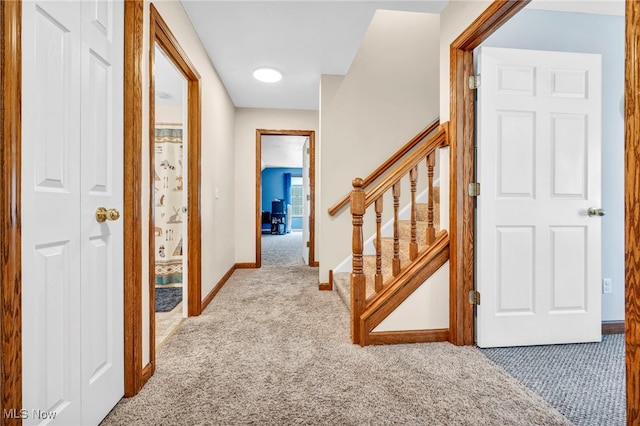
{"x": 285, "y": 197}
{"x": 169, "y": 206}
{"x": 174, "y": 177}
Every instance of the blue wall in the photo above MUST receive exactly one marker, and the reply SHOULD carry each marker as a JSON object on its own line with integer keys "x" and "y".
{"x": 273, "y": 187}
{"x": 580, "y": 32}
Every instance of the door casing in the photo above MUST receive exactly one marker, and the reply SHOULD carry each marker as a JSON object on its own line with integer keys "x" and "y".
{"x": 311, "y": 134}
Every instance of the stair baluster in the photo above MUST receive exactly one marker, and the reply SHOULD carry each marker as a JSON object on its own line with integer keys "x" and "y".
{"x": 396, "y": 232}
{"x": 378, "y": 279}
{"x": 431, "y": 230}
{"x": 413, "y": 244}
{"x": 358, "y": 279}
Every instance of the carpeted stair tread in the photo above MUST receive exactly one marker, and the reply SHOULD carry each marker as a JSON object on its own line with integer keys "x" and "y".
{"x": 404, "y": 231}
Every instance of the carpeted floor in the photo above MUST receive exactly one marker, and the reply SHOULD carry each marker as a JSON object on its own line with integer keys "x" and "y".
{"x": 282, "y": 250}
{"x": 585, "y": 382}
{"x": 271, "y": 349}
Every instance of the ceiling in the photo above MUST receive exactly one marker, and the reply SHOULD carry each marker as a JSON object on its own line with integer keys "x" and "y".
{"x": 169, "y": 83}
{"x": 302, "y": 39}
{"x": 282, "y": 151}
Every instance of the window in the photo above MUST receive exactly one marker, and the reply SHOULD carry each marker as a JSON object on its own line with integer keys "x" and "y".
{"x": 296, "y": 196}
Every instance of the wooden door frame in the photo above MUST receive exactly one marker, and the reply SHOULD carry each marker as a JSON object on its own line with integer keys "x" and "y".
{"x": 461, "y": 131}
{"x": 134, "y": 378}
{"x": 632, "y": 209}
{"x": 312, "y": 184}
{"x": 10, "y": 193}
{"x": 161, "y": 35}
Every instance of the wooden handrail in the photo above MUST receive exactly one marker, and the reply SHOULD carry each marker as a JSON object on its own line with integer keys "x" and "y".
{"x": 436, "y": 141}
{"x": 388, "y": 164}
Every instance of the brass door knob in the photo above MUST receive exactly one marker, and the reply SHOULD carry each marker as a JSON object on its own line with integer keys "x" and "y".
{"x": 103, "y": 214}
{"x": 596, "y": 212}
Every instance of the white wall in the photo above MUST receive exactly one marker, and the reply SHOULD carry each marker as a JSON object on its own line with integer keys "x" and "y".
{"x": 246, "y": 122}
{"x": 389, "y": 94}
{"x": 423, "y": 310}
{"x": 218, "y": 161}
{"x": 171, "y": 114}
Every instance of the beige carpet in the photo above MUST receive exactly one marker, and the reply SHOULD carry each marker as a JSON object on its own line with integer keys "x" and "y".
{"x": 273, "y": 350}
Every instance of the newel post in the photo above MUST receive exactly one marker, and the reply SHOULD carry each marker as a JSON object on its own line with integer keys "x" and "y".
{"x": 358, "y": 279}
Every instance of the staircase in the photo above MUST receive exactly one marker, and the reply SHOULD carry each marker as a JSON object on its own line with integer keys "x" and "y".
{"x": 342, "y": 280}
{"x": 379, "y": 283}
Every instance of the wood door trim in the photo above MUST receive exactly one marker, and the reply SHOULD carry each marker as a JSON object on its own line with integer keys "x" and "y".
{"x": 161, "y": 34}
{"x": 461, "y": 134}
{"x": 312, "y": 184}
{"x": 10, "y": 196}
{"x": 132, "y": 210}
{"x": 632, "y": 209}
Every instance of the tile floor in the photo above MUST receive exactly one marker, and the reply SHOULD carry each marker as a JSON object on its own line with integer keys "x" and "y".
{"x": 167, "y": 323}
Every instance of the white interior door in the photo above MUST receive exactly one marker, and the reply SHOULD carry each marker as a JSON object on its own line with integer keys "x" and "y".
{"x": 51, "y": 211}
{"x": 306, "y": 197}
{"x": 538, "y": 251}
{"x": 101, "y": 171}
{"x": 72, "y": 163}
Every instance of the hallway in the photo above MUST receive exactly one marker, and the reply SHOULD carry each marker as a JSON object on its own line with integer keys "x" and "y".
{"x": 271, "y": 349}
{"x": 282, "y": 250}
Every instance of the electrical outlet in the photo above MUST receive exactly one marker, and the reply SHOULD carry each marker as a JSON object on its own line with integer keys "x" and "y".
{"x": 606, "y": 285}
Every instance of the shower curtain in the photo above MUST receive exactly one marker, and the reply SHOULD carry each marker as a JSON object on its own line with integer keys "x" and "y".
{"x": 168, "y": 201}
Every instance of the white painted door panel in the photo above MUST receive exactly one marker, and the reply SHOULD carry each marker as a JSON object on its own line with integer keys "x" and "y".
{"x": 51, "y": 212}
{"x": 538, "y": 252}
{"x": 101, "y": 176}
{"x": 72, "y": 266}
{"x": 306, "y": 203}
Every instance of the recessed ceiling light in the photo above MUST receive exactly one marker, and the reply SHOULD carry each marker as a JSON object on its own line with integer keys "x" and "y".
{"x": 267, "y": 75}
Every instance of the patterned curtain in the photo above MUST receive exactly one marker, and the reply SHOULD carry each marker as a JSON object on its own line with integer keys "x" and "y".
{"x": 168, "y": 201}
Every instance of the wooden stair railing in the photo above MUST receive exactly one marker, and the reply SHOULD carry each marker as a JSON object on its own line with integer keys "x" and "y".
{"x": 390, "y": 162}
{"x": 361, "y": 200}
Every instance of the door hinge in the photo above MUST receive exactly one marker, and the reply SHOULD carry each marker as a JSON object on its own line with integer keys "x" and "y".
{"x": 474, "y": 82}
{"x": 474, "y": 189}
{"x": 308, "y": 244}
{"x": 474, "y": 297}
{"x": 308, "y": 151}
{"x": 308, "y": 197}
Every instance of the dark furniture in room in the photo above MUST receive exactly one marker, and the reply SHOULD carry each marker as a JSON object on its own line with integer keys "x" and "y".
{"x": 266, "y": 221}
{"x": 278, "y": 217}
